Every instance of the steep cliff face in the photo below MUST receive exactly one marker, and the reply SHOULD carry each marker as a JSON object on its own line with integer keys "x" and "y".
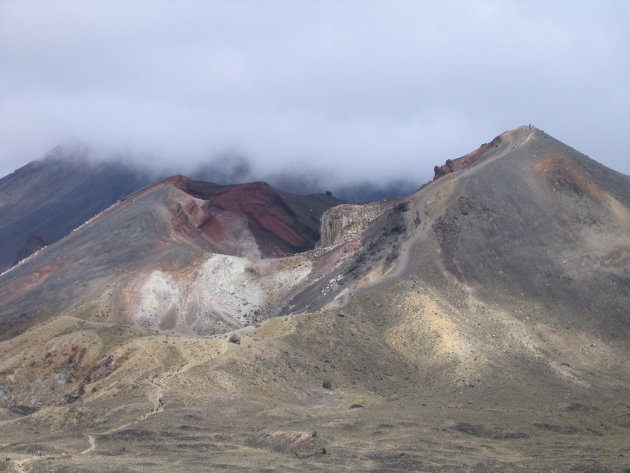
{"x": 344, "y": 222}
{"x": 280, "y": 223}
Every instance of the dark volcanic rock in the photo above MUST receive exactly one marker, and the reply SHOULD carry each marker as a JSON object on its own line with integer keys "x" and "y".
{"x": 32, "y": 244}
{"x": 102, "y": 370}
{"x": 23, "y": 410}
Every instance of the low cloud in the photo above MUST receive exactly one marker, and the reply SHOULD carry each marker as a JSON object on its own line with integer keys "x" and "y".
{"x": 353, "y": 90}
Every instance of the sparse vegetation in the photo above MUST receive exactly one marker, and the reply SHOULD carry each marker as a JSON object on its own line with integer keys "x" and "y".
{"x": 477, "y": 326}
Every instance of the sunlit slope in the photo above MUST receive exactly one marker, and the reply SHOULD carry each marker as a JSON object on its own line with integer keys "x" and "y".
{"x": 536, "y": 226}
{"x": 478, "y": 325}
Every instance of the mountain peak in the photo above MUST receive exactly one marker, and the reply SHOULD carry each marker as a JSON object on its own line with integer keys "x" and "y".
{"x": 507, "y": 141}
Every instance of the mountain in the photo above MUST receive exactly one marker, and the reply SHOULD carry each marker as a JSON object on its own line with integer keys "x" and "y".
{"x": 157, "y": 241}
{"x": 47, "y": 199}
{"x": 480, "y": 324}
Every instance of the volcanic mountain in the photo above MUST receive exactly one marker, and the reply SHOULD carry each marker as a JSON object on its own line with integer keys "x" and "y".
{"x": 151, "y": 246}
{"x": 480, "y": 324}
{"x": 46, "y": 199}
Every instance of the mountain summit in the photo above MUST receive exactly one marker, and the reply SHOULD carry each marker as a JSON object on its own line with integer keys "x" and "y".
{"x": 480, "y": 324}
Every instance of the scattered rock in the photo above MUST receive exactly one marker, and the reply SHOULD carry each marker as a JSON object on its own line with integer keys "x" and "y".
{"x": 328, "y": 384}
{"x": 560, "y": 429}
{"x": 356, "y": 406}
{"x": 234, "y": 338}
{"x": 102, "y": 370}
{"x": 486, "y": 431}
{"x": 23, "y": 410}
{"x": 576, "y": 406}
{"x": 341, "y": 314}
{"x": 68, "y": 398}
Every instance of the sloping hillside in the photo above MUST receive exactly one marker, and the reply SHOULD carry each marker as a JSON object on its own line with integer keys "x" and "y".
{"x": 47, "y": 199}
{"x": 157, "y": 258}
{"x": 479, "y": 325}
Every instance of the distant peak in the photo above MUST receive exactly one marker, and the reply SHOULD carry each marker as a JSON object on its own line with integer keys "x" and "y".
{"x": 70, "y": 151}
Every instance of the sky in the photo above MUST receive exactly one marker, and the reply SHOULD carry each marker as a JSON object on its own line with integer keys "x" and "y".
{"x": 357, "y": 89}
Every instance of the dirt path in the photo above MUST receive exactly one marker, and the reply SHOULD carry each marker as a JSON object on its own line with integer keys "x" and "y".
{"x": 160, "y": 384}
{"x": 401, "y": 264}
{"x": 19, "y": 465}
{"x": 157, "y": 388}
{"x": 510, "y": 141}
{"x": 92, "y": 442}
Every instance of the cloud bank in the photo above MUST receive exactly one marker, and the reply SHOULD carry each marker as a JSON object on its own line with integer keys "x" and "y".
{"x": 358, "y": 89}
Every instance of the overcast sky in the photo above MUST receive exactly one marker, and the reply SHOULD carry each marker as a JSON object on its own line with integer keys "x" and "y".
{"x": 365, "y": 89}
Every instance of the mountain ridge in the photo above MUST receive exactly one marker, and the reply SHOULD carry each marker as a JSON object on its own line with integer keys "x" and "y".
{"x": 479, "y": 324}
{"x": 78, "y": 186}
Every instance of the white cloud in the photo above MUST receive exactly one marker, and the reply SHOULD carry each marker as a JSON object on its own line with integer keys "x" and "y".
{"x": 362, "y": 88}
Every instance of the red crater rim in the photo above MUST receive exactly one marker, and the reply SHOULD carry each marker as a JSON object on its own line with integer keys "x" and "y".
{"x": 464, "y": 162}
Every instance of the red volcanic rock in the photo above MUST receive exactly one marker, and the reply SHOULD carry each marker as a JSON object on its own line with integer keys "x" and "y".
{"x": 179, "y": 181}
{"x": 464, "y": 162}
{"x": 23, "y": 284}
{"x": 102, "y": 370}
{"x": 280, "y": 223}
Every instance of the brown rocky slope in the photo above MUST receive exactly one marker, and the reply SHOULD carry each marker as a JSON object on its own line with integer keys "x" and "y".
{"x": 478, "y": 325}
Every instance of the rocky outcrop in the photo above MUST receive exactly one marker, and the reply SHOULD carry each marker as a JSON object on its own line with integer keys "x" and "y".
{"x": 344, "y": 222}
{"x": 32, "y": 244}
{"x": 464, "y": 162}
